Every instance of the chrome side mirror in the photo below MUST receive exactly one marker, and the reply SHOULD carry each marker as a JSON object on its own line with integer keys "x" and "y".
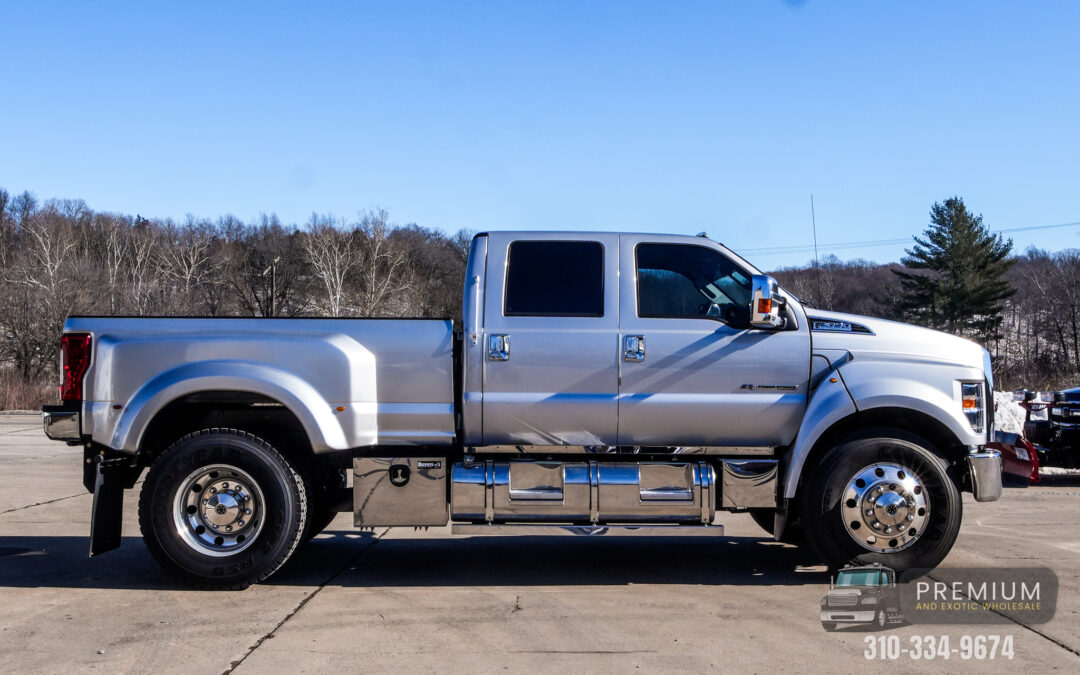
{"x": 765, "y": 302}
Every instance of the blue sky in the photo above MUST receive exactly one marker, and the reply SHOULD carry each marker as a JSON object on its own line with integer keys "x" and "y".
{"x": 671, "y": 117}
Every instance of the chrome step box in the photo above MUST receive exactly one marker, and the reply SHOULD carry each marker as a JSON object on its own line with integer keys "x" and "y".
{"x": 399, "y": 491}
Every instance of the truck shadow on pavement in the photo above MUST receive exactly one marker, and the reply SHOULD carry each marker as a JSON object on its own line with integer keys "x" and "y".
{"x": 572, "y": 561}
{"x": 352, "y": 559}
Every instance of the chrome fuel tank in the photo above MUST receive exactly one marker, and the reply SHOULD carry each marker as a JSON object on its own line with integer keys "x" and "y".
{"x": 584, "y": 492}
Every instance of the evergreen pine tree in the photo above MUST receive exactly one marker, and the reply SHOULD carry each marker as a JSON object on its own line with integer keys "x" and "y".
{"x": 959, "y": 284}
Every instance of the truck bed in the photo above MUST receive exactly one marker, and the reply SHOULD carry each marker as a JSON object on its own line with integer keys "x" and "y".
{"x": 351, "y": 382}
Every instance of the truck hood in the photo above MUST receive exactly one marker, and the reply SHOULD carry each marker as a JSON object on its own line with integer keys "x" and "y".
{"x": 867, "y": 335}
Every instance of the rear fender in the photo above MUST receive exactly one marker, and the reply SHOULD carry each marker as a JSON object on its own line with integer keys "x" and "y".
{"x": 327, "y": 428}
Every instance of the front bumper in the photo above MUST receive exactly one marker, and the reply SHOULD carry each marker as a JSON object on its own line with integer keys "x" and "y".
{"x": 848, "y": 616}
{"x": 985, "y": 470}
{"x": 61, "y": 423}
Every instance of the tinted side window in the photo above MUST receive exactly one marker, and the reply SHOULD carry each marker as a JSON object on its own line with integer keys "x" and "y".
{"x": 555, "y": 278}
{"x": 685, "y": 281}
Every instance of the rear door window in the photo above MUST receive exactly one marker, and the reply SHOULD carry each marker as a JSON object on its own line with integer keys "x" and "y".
{"x": 555, "y": 278}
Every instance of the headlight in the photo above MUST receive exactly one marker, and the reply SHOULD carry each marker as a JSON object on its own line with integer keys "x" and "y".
{"x": 868, "y": 600}
{"x": 824, "y": 601}
{"x": 971, "y": 395}
{"x": 1056, "y": 412}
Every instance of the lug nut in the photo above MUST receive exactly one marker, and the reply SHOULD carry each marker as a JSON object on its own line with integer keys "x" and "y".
{"x": 869, "y": 512}
{"x": 240, "y": 523}
{"x": 225, "y": 485}
{"x": 247, "y": 512}
{"x": 910, "y": 518}
{"x": 213, "y": 490}
{"x": 228, "y": 528}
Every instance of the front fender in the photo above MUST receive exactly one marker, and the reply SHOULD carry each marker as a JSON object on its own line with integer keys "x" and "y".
{"x": 829, "y": 404}
{"x": 929, "y": 388}
{"x": 326, "y": 428}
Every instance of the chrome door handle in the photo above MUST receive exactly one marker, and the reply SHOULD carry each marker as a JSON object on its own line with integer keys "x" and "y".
{"x": 634, "y": 348}
{"x": 498, "y": 348}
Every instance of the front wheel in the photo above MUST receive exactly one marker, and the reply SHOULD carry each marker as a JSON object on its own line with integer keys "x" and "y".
{"x": 883, "y": 497}
{"x": 221, "y": 508}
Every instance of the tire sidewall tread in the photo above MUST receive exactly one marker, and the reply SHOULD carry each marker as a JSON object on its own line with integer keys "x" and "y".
{"x": 822, "y": 494}
{"x": 285, "y": 510}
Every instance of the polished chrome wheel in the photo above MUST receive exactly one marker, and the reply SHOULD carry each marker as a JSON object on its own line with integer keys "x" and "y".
{"x": 218, "y": 510}
{"x": 885, "y": 507}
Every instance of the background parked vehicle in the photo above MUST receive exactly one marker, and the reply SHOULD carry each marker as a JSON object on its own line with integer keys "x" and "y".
{"x": 1052, "y": 424}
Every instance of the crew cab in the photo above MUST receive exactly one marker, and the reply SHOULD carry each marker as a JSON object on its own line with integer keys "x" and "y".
{"x": 601, "y": 383}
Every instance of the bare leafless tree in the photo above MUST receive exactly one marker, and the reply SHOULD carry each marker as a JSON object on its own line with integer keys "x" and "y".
{"x": 332, "y": 253}
{"x": 382, "y": 264}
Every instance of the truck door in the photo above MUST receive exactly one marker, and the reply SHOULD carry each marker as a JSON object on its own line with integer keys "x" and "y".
{"x": 551, "y": 340}
{"x": 692, "y": 371}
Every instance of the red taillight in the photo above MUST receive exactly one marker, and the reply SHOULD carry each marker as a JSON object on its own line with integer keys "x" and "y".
{"x": 74, "y": 361}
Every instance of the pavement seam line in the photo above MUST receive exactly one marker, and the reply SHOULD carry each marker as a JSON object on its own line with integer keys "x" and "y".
{"x": 51, "y": 501}
{"x": 18, "y": 431}
{"x": 258, "y": 643}
{"x": 1041, "y": 634}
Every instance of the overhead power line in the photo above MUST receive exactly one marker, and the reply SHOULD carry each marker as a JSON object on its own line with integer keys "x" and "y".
{"x": 870, "y": 243}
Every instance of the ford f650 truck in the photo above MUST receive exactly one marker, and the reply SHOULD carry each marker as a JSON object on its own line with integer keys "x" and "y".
{"x": 601, "y": 383}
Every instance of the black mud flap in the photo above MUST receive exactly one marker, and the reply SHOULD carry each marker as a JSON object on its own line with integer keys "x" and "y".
{"x": 106, "y": 518}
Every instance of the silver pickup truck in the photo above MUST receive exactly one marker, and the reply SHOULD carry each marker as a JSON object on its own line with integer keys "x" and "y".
{"x": 601, "y": 383}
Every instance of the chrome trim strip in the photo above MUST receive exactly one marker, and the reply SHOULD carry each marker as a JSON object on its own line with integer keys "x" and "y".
{"x": 706, "y": 479}
{"x": 489, "y": 491}
{"x": 594, "y": 492}
{"x": 531, "y": 530}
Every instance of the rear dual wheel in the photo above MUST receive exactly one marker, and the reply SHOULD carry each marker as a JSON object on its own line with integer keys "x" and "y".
{"x": 222, "y": 508}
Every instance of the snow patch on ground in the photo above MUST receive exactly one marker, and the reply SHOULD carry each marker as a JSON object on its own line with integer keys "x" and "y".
{"x": 1008, "y": 415}
{"x": 1058, "y": 471}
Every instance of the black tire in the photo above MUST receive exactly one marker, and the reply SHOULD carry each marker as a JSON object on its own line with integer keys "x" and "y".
{"x": 829, "y": 626}
{"x": 793, "y": 533}
{"x": 320, "y": 520}
{"x": 764, "y": 518}
{"x": 275, "y": 492}
{"x": 321, "y": 507}
{"x": 821, "y": 501}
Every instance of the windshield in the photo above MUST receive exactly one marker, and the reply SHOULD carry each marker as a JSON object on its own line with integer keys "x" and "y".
{"x": 858, "y": 578}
